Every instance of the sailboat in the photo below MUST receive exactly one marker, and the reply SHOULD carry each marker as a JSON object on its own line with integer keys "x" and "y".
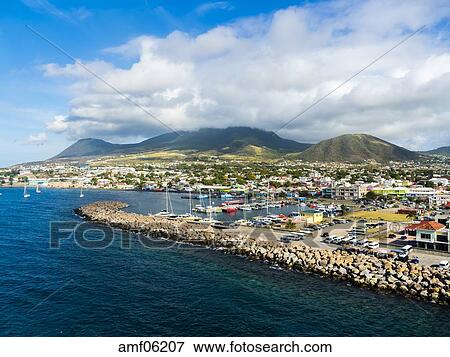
{"x": 210, "y": 210}
{"x": 189, "y": 216}
{"x": 38, "y": 190}
{"x": 246, "y": 206}
{"x": 25, "y": 193}
{"x": 166, "y": 212}
{"x": 81, "y": 192}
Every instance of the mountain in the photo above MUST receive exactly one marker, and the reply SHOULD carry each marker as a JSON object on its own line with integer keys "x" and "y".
{"x": 356, "y": 148}
{"x": 87, "y": 147}
{"x": 229, "y": 140}
{"x": 444, "y": 150}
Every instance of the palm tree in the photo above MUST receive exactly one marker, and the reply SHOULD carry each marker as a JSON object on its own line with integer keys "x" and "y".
{"x": 412, "y": 215}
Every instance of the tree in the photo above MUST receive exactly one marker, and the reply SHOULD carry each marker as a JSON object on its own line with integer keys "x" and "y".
{"x": 290, "y": 224}
{"x": 371, "y": 195}
{"x": 412, "y": 215}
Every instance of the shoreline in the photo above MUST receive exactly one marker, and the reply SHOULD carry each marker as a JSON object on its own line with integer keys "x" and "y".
{"x": 350, "y": 265}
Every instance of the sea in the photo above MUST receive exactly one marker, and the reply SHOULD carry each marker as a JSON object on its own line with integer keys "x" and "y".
{"x": 165, "y": 289}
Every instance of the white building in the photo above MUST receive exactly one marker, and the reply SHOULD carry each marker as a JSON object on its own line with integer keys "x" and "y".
{"x": 439, "y": 199}
{"x": 439, "y": 181}
{"x": 421, "y": 192}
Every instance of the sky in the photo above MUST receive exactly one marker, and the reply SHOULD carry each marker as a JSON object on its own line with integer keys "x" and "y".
{"x": 127, "y": 70}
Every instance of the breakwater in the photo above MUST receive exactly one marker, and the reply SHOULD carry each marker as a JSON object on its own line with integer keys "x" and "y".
{"x": 352, "y": 265}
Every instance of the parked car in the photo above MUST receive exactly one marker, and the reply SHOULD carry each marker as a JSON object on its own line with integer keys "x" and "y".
{"x": 373, "y": 245}
{"x": 414, "y": 260}
{"x": 362, "y": 242}
{"x": 406, "y": 248}
{"x": 346, "y": 240}
{"x": 354, "y": 240}
{"x": 325, "y": 234}
{"x": 392, "y": 235}
{"x": 444, "y": 264}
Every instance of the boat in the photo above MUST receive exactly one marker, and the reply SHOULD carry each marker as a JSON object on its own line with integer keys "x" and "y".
{"x": 38, "y": 189}
{"x": 81, "y": 192}
{"x": 199, "y": 208}
{"x": 168, "y": 211}
{"x": 245, "y": 207}
{"x": 200, "y": 196}
{"x": 25, "y": 193}
{"x": 233, "y": 203}
{"x": 189, "y": 217}
{"x": 211, "y": 221}
{"x": 243, "y": 222}
{"x": 229, "y": 209}
{"x": 163, "y": 213}
{"x": 213, "y": 209}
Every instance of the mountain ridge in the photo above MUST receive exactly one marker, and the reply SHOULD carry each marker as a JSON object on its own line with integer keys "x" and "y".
{"x": 244, "y": 141}
{"x": 228, "y": 140}
{"x": 443, "y": 150}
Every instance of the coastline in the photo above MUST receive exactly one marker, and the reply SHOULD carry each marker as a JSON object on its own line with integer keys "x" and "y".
{"x": 350, "y": 265}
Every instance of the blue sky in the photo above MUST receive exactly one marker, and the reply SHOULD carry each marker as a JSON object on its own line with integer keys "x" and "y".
{"x": 45, "y": 104}
{"x": 83, "y": 28}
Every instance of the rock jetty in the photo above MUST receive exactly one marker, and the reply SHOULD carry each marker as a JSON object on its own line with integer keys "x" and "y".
{"x": 350, "y": 265}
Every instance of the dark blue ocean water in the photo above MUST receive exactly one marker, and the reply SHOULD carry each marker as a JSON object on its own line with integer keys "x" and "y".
{"x": 159, "y": 291}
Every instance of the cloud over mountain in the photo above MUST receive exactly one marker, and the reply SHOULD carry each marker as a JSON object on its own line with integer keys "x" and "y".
{"x": 262, "y": 71}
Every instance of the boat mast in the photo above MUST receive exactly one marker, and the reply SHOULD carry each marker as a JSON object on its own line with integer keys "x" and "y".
{"x": 167, "y": 198}
{"x": 190, "y": 201}
{"x": 210, "y": 206}
{"x": 267, "y": 199}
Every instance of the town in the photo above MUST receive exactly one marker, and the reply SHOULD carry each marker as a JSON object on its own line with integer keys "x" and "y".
{"x": 394, "y": 205}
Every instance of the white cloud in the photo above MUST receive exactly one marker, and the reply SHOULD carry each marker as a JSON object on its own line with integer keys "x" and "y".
{"x": 264, "y": 70}
{"x": 46, "y": 7}
{"x": 37, "y": 139}
{"x": 59, "y": 124}
{"x": 216, "y": 5}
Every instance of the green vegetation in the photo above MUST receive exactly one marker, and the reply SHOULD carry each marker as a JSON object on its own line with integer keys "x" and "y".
{"x": 356, "y": 148}
{"x": 233, "y": 140}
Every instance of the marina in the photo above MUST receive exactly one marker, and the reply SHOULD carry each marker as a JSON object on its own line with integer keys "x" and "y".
{"x": 361, "y": 267}
{"x": 140, "y": 276}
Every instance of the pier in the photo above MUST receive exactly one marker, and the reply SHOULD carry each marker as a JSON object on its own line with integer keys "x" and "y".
{"x": 352, "y": 265}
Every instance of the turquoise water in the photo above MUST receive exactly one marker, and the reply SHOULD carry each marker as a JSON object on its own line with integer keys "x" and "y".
{"x": 166, "y": 290}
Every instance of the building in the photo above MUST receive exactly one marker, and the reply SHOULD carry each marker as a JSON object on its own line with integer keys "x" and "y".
{"x": 439, "y": 200}
{"x": 430, "y": 235}
{"x": 312, "y": 216}
{"x": 350, "y": 192}
{"x": 442, "y": 181}
{"x": 328, "y": 192}
{"x": 345, "y": 192}
{"x": 421, "y": 192}
{"x": 390, "y": 191}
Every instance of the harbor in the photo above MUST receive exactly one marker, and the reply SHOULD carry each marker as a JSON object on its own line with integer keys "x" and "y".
{"x": 358, "y": 266}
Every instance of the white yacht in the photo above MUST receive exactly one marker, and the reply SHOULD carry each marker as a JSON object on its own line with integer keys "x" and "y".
{"x": 168, "y": 211}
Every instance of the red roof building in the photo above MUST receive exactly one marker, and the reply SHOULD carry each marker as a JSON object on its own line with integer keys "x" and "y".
{"x": 425, "y": 226}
